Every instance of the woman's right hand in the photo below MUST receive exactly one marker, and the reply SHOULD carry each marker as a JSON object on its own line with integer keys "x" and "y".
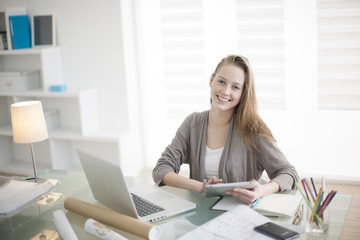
{"x": 213, "y": 180}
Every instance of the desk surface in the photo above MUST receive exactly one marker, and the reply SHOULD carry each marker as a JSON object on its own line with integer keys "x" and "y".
{"x": 74, "y": 184}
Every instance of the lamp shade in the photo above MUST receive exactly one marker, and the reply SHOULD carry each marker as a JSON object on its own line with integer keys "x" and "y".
{"x": 28, "y": 122}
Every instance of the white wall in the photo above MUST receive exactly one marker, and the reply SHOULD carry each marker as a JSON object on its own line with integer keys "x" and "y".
{"x": 90, "y": 37}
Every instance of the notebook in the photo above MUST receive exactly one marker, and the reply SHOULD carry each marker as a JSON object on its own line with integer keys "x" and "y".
{"x": 279, "y": 205}
{"x": 109, "y": 187}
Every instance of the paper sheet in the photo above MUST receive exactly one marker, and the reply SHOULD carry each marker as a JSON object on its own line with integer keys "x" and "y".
{"x": 17, "y": 194}
{"x": 237, "y": 223}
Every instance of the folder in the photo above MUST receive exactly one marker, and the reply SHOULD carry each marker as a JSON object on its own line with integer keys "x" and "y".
{"x": 20, "y": 31}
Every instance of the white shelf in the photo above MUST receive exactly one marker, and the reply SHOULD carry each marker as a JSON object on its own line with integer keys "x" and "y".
{"x": 6, "y": 130}
{"x": 69, "y": 134}
{"x": 22, "y": 167}
{"x": 72, "y": 93}
{"x": 27, "y": 51}
{"x": 73, "y": 119}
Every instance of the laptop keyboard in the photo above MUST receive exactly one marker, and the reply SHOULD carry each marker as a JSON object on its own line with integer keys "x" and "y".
{"x": 144, "y": 207}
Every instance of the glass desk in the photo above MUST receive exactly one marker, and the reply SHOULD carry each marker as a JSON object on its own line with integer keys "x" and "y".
{"x": 74, "y": 184}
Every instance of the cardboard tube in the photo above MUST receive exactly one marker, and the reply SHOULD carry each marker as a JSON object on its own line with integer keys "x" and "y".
{"x": 112, "y": 218}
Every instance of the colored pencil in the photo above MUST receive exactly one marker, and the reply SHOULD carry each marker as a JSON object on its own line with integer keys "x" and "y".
{"x": 325, "y": 203}
{"x": 315, "y": 206}
{"x": 309, "y": 188}
{"x": 307, "y": 195}
{"x": 312, "y": 181}
{"x": 308, "y": 202}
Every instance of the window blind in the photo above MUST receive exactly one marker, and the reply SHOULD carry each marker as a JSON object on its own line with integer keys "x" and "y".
{"x": 185, "y": 83}
{"x": 338, "y": 23}
{"x": 260, "y": 37}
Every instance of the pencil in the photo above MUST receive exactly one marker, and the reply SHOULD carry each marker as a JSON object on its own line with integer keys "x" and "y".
{"x": 306, "y": 192}
{"x": 315, "y": 206}
{"x": 312, "y": 181}
{"x": 325, "y": 203}
{"x": 309, "y": 188}
{"x": 308, "y": 203}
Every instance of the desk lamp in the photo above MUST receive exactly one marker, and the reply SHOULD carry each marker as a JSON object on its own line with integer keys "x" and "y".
{"x": 28, "y": 125}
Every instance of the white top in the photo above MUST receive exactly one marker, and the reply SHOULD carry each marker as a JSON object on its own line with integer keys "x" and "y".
{"x": 212, "y": 160}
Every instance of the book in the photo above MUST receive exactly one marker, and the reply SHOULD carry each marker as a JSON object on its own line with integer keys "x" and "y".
{"x": 279, "y": 205}
{"x": 20, "y": 31}
{"x": 12, "y": 11}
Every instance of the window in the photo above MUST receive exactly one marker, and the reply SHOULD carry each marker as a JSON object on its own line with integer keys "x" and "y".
{"x": 190, "y": 37}
{"x": 305, "y": 55}
{"x": 338, "y": 23}
{"x": 260, "y": 37}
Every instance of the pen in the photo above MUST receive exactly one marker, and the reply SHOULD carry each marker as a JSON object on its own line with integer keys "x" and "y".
{"x": 255, "y": 202}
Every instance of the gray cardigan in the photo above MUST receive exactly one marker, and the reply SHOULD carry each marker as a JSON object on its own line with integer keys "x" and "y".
{"x": 237, "y": 162}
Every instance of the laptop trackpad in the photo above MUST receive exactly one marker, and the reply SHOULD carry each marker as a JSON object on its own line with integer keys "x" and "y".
{"x": 159, "y": 196}
{"x": 151, "y": 192}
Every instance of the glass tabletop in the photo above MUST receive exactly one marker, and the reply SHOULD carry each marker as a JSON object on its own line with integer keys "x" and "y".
{"x": 74, "y": 184}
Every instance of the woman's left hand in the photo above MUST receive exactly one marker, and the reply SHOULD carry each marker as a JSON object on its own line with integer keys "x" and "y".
{"x": 247, "y": 195}
{"x": 260, "y": 190}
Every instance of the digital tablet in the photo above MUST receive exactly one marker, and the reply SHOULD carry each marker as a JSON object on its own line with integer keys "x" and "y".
{"x": 216, "y": 190}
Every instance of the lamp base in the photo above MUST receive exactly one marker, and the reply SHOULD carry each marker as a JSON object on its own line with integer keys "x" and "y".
{"x": 39, "y": 180}
{"x": 53, "y": 182}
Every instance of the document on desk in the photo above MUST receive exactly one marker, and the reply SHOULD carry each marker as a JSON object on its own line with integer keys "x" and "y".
{"x": 237, "y": 223}
{"x": 17, "y": 194}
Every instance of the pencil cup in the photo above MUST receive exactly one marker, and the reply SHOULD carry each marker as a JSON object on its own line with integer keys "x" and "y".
{"x": 317, "y": 226}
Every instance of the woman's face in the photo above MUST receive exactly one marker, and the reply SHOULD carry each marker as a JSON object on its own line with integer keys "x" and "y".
{"x": 226, "y": 87}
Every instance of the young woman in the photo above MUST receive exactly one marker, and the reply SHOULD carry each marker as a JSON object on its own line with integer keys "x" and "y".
{"x": 228, "y": 143}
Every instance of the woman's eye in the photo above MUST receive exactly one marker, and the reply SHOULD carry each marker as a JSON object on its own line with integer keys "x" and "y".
{"x": 237, "y": 87}
{"x": 221, "y": 81}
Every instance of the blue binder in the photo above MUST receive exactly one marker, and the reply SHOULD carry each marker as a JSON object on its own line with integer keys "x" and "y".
{"x": 20, "y": 31}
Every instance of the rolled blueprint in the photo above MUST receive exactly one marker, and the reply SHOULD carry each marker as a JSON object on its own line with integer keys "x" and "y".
{"x": 63, "y": 226}
{"x": 99, "y": 230}
{"x": 112, "y": 218}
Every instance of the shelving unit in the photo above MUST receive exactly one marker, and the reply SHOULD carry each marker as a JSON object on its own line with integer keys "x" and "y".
{"x": 74, "y": 112}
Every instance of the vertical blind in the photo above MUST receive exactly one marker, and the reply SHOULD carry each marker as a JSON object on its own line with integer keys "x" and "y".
{"x": 338, "y": 23}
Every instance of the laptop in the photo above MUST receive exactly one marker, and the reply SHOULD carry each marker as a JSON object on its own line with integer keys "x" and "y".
{"x": 147, "y": 202}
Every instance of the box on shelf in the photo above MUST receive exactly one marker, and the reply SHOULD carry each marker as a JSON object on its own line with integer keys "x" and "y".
{"x": 51, "y": 119}
{"x": 19, "y": 81}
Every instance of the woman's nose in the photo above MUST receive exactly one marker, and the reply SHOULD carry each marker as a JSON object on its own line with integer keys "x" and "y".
{"x": 227, "y": 90}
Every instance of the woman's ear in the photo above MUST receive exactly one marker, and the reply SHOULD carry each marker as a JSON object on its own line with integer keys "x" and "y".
{"x": 211, "y": 79}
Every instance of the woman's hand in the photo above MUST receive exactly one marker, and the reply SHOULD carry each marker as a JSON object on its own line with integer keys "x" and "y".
{"x": 260, "y": 190}
{"x": 213, "y": 180}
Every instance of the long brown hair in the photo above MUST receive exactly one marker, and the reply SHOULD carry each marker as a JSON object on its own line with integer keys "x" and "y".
{"x": 247, "y": 120}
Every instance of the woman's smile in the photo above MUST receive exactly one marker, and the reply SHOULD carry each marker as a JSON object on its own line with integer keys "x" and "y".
{"x": 222, "y": 99}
